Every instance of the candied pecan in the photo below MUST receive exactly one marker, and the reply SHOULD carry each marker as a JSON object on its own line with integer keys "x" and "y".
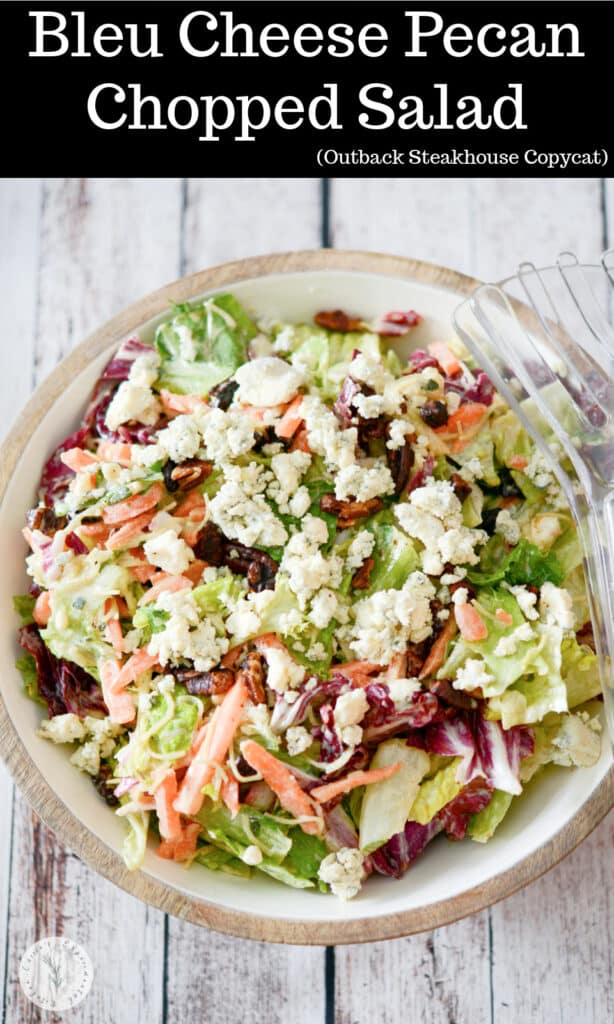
{"x": 337, "y": 320}
{"x": 586, "y": 636}
{"x": 190, "y": 473}
{"x": 443, "y": 689}
{"x": 461, "y": 488}
{"x": 416, "y": 656}
{"x": 222, "y": 394}
{"x": 253, "y": 676}
{"x": 349, "y": 511}
{"x": 44, "y": 519}
{"x": 105, "y": 784}
{"x": 210, "y": 545}
{"x": 205, "y": 684}
{"x": 361, "y": 578}
{"x": 167, "y": 472}
{"x": 268, "y": 436}
{"x": 400, "y": 463}
{"x": 259, "y": 568}
{"x": 434, "y": 413}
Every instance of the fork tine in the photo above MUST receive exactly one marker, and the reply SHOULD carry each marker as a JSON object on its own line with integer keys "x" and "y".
{"x": 586, "y": 302}
{"x": 572, "y": 355}
{"x": 607, "y": 262}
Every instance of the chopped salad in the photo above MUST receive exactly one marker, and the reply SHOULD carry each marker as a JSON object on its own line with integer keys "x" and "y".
{"x": 298, "y": 606}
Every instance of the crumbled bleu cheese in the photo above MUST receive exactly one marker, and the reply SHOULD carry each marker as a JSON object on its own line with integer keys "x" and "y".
{"x": 386, "y": 621}
{"x": 185, "y": 636}
{"x": 359, "y": 549}
{"x": 250, "y": 520}
{"x": 369, "y": 406}
{"x": 132, "y": 402}
{"x": 147, "y": 454}
{"x": 299, "y": 503}
{"x": 371, "y": 372}
{"x": 507, "y": 527}
{"x": 306, "y": 568}
{"x": 508, "y": 645}
{"x": 576, "y": 743}
{"x": 458, "y": 545}
{"x": 181, "y": 439}
{"x": 62, "y": 729}
{"x": 87, "y": 757}
{"x": 361, "y": 483}
{"x": 226, "y": 434}
{"x": 472, "y": 675}
{"x": 460, "y": 596}
{"x": 556, "y": 606}
{"x": 526, "y": 600}
{"x": 471, "y": 470}
{"x": 163, "y": 521}
{"x": 434, "y": 516}
{"x": 267, "y": 381}
{"x": 168, "y": 552}
{"x": 343, "y": 871}
{"x": 288, "y": 468}
{"x": 350, "y": 709}
{"x": 323, "y": 608}
{"x": 326, "y": 438}
{"x": 397, "y": 433}
{"x": 144, "y": 369}
{"x": 317, "y": 652}
{"x": 298, "y": 740}
{"x": 245, "y": 618}
{"x": 284, "y": 673}
{"x": 402, "y": 691}
{"x": 538, "y": 470}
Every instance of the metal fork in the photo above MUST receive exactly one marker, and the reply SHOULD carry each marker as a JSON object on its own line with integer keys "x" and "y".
{"x": 546, "y": 339}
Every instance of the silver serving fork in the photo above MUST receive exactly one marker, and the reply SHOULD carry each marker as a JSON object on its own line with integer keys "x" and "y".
{"x": 546, "y": 339}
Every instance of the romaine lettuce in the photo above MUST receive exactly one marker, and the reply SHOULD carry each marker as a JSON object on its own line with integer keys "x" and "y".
{"x": 482, "y": 826}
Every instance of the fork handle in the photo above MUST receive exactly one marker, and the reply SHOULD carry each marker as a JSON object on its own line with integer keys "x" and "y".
{"x": 599, "y": 552}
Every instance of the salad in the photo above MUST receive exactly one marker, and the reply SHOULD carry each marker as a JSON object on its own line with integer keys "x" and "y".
{"x": 298, "y": 606}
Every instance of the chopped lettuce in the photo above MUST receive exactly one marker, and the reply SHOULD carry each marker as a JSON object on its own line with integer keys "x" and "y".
{"x": 24, "y": 606}
{"x": 135, "y": 842}
{"x": 203, "y": 344}
{"x": 326, "y": 355}
{"x": 482, "y": 826}
{"x": 525, "y": 564}
{"x": 510, "y": 438}
{"x": 215, "y": 859}
{"x": 26, "y": 665}
{"x": 580, "y": 670}
{"x": 394, "y": 554}
{"x": 435, "y": 793}
{"x": 481, "y": 448}
{"x": 386, "y": 805}
{"x": 529, "y": 700}
{"x": 302, "y": 637}
{"x": 220, "y": 595}
{"x": 170, "y": 721}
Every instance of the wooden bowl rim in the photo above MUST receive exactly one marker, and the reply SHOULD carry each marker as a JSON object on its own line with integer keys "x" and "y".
{"x": 89, "y": 847}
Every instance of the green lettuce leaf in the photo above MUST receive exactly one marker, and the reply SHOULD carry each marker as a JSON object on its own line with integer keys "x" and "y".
{"x": 482, "y": 826}
{"x": 525, "y": 563}
{"x": 326, "y": 355}
{"x": 26, "y": 665}
{"x": 221, "y": 860}
{"x": 221, "y": 331}
{"x": 531, "y": 699}
{"x": 24, "y": 606}
{"x": 135, "y": 842}
{"x": 434, "y": 793}
{"x": 580, "y": 670}
{"x": 394, "y": 554}
{"x": 172, "y": 735}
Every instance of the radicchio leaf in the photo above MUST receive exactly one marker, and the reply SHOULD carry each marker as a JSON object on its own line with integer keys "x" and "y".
{"x": 471, "y": 800}
{"x": 420, "y": 360}
{"x": 419, "y": 479}
{"x": 485, "y": 749}
{"x": 62, "y": 685}
{"x": 423, "y": 710}
{"x": 395, "y": 856}
{"x": 56, "y": 477}
{"x": 284, "y": 714}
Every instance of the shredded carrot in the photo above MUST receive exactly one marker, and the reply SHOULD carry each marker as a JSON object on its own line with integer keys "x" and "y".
{"x": 229, "y": 793}
{"x": 283, "y": 783}
{"x": 182, "y": 848}
{"x": 78, "y": 459}
{"x": 168, "y": 583}
{"x": 112, "y": 451}
{"x": 504, "y": 617}
{"x": 437, "y": 653}
{"x": 121, "y": 538}
{"x": 182, "y": 403}
{"x": 446, "y": 359}
{"x": 114, "y": 632}
{"x": 141, "y": 661}
{"x": 470, "y": 623}
{"x": 357, "y": 669}
{"x": 119, "y": 702}
{"x": 291, "y": 419}
{"x": 214, "y": 749}
{"x": 510, "y": 501}
{"x": 133, "y": 506}
{"x": 97, "y": 531}
{"x": 260, "y": 413}
{"x": 190, "y": 535}
{"x": 518, "y": 462}
{"x": 165, "y": 791}
{"x": 323, "y": 794}
{"x": 463, "y": 425}
{"x": 300, "y": 442}
{"x": 41, "y": 612}
{"x": 143, "y": 573}
{"x": 193, "y": 502}
{"x": 194, "y": 571}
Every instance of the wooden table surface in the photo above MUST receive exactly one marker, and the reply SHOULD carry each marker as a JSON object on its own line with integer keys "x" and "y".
{"x": 72, "y": 253}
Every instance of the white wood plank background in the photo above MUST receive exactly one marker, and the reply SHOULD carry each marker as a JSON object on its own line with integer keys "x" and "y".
{"x": 72, "y": 253}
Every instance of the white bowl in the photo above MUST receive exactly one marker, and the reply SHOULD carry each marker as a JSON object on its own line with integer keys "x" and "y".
{"x": 450, "y": 879}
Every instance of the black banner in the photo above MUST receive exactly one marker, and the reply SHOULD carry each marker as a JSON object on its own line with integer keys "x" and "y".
{"x": 301, "y": 89}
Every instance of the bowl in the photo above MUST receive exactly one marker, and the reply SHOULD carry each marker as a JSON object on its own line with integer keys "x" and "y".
{"x": 450, "y": 880}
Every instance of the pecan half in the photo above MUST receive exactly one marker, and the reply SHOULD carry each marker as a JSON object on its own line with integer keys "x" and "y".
{"x": 361, "y": 578}
{"x": 253, "y": 676}
{"x": 190, "y": 473}
{"x": 349, "y": 511}
{"x": 416, "y": 656}
{"x": 400, "y": 463}
{"x": 443, "y": 689}
{"x": 210, "y": 545}
{"x": 222, "y": 394}
{"x": 205, "y": 684}
{"x": 461, "y": 488}
{"x": 259, "y": 568}
{"x": 44, "y": 519}
{"x": 337, "y": 320}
